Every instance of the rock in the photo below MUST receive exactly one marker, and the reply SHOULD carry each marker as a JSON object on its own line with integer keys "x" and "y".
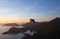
{"x": 10, "y": 24}
{"x": 15, "y": 30}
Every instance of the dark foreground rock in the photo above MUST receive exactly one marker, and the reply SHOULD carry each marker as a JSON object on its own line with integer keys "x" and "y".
{"x": 41, "y": 36}
{"x": 50, "y": 30}
{"x": 27, "y": 36}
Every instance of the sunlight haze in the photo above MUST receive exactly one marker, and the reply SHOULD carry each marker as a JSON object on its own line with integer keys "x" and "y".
{"x": 19, "y": 11}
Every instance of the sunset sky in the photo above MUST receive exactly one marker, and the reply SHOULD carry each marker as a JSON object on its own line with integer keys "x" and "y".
{"x": 19, "y": 11}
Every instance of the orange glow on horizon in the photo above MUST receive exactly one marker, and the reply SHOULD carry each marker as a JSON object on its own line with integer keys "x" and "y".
{"x": 14, "y": 20}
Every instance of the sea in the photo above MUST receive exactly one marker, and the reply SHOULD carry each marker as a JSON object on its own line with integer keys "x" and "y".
{"x": 13, "y": 36}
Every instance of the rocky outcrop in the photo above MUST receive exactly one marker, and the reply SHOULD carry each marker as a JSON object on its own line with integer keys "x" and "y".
{"x": 15, "y": 30}
{"x": 10, "y": 24}
{"x": 50, "y": 30}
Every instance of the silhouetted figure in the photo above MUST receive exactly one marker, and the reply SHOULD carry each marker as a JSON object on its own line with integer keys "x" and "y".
{"x": 32, "y": 21}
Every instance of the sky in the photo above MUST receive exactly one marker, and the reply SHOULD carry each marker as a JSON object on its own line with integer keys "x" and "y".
{"x": 20, "y": 11}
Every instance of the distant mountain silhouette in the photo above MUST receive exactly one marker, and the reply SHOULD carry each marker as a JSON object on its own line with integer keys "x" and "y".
{"x": 10, "y": 24}
{"x": 56, "y": 20}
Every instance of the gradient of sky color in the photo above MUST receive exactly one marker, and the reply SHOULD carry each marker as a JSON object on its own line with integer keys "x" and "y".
{"x": 22, "y": 10}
